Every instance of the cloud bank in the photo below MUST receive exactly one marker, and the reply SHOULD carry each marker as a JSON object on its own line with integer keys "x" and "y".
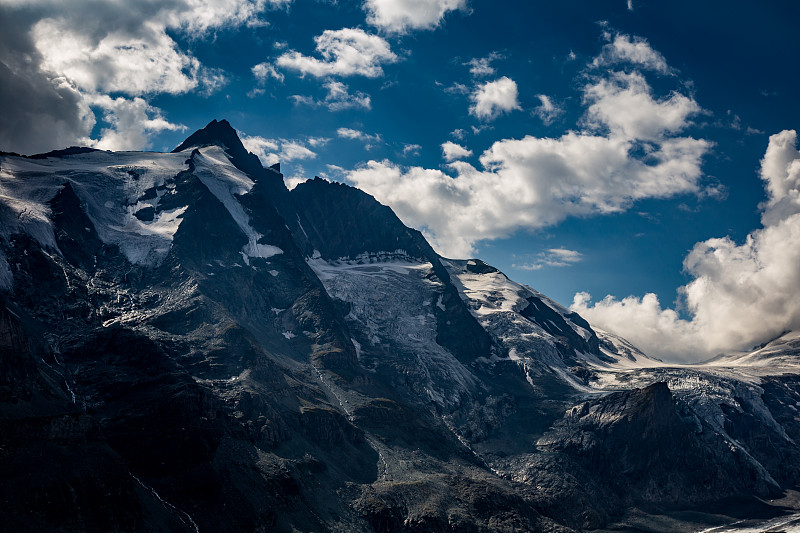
{"x": 741, "y": 295}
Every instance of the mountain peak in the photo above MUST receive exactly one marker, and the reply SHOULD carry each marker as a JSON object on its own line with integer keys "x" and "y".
{"x": 222, "y": 134}
{"x": 216, "y": 132}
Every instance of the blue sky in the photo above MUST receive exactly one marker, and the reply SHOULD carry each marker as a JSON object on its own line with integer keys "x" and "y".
{"x": 579, "y": 146}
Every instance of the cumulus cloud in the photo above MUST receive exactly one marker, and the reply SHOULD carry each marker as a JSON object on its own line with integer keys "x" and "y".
{"x": 345, "y": 52}
{"x": 272, "y": 151}
{"x": 70, "y": 55}
{"x": 532, "y": 182}
{"x": 338, "y": 98}
{"x": 633, "y": 50}
{"x": 740, "y": 294}
{"x": 126, "y": 47}
{"x": 400, "y": 16}
{"x": 547, "y": 110}
{"x": 452, "y": 151}
{"x": 624, "y": 104}
{"x": 553, "y": 257}
{"x": 147, "y": 62}
{"x": 493, "y": 98}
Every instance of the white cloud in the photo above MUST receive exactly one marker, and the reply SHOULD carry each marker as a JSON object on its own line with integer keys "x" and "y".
{"x": 633, "y": 50}
{"x": 294, "y": 150}
{"x": 399, "y": 16}
{"x": 338, "y": 98}
{"x": 133, "y": 65}
{"x": 263, "y": 71}
{"x": 293, "y": 182}
{"x": 411, "y": 149}
{"x": 200, "y": 16}
{"x": 493, "y": 98}
{"x": 369, "y": 140}
{"x": 452, "y": 151}
{"x": 624, "y": 104}
{"x": 740, "y": 295}
{"x": 547, "y": 110}
{"x": 530, "y": 183}
{"x": 553, "y": 257}
{"x": 260, "y": 146}
{"x": 316, "y": 142}
{"x": 84, "y": 50}
{"x": 132, "y": 122}
{"x": 483, "y": 66}
{"x": 345, "y": 52}
{"x": 271, "y": 151}
{"x": 458, "y": 88}
{"x": 780, "y": 170}
{"x": 135, "y": 55}
{"x": 623, "y": 156}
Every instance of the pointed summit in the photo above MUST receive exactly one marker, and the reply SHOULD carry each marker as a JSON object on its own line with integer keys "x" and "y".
{"x": 222, "y": 134}
{"x": 219, "y": 133}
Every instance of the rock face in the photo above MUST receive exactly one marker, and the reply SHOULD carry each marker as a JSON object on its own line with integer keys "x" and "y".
{"x": 187, "y": 345}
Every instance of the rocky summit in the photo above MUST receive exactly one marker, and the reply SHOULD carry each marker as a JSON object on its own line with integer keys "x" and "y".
{"x": 187, "y": 345}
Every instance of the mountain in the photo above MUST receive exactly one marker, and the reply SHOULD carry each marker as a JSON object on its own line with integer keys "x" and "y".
{"x": 186, "y": 344}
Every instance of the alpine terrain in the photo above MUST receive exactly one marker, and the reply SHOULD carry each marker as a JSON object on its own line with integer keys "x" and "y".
{"x": 187, "y": 345}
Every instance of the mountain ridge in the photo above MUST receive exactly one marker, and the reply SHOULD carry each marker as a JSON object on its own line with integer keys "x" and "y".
{"x": 245, "y": 357}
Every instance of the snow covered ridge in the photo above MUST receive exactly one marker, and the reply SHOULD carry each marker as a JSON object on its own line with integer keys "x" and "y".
{"x": 225, "y": 181}
{"x": 121, "y": 193}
